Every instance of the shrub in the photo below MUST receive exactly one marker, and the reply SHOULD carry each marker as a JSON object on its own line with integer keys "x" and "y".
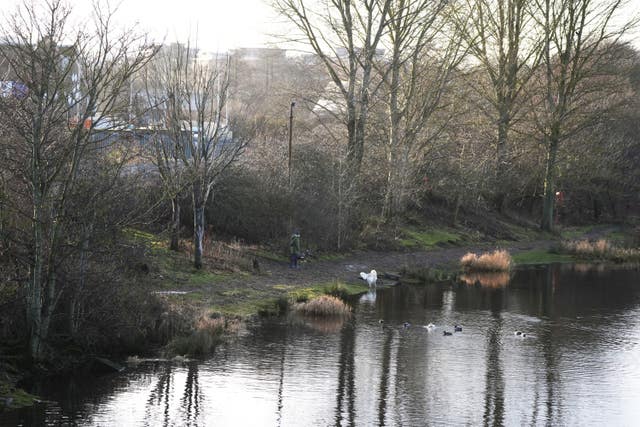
{"x": 214, "y": 326}
{"x": 597, "y": 249}
{"x": 337, "y": 290}
{"x": 499, "y": 260}
{"x": 206, "y": 335}
{"x": 600, "y": 249}
{"x": 323, "y": 306}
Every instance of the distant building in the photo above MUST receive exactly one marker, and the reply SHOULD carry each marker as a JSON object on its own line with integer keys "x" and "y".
{"x": 331, "y": 101}
{"x": 12, "y": 86}
{"x": 258, "y": 53}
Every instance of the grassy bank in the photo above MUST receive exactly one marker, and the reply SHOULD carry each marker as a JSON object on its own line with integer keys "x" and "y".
{"x": 14, "y": 398}
{"x": 541, "y": 256}
{"x": 272, "y": 300}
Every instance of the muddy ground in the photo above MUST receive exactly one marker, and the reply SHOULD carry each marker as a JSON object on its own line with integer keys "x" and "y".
{"x": 273, "y": 279}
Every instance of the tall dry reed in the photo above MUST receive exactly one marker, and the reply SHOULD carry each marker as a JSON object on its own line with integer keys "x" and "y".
{"x": 323, "y": 306}
{"x": 499, "y": 260}
{"x": 601, "y": 249}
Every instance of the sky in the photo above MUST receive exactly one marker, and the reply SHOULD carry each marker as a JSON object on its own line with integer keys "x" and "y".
{"x": 219, "y": 24}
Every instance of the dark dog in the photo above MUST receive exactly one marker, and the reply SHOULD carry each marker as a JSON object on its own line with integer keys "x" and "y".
{"x": 305, "y": 255}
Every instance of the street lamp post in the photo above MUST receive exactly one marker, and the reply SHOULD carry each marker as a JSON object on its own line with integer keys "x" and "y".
{"x": 293, "y": 104}
{"x": 290, "y": 138}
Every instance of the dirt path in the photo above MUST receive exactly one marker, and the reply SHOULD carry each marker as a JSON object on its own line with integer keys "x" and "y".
{"x": 348, "y": 269}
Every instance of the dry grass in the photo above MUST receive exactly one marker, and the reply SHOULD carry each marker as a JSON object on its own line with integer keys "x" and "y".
{"x": 587, "y": 248}
{"x": 584, "y": 247}
{"x": 213, "y": 326}
{"x": 206, "y": 334}
{"x": 499, "y": 260}
{"x": 323, "y": 306}
{"x": 468, "y": 259}
{"x": 229, "y": 256}
{"x": 600, "y": 249}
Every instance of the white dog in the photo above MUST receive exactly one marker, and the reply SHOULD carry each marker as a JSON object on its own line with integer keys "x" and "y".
{"x": 370, "y": 278}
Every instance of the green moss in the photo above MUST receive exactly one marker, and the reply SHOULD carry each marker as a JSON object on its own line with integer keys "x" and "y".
{"x": 236, "y": 293}
{"x": 149, "y": 239}
{"x": 200, "y": 278}
{"x": 19, "y": 398}
{"x": 415, "y": 239}
{"x": 250, "y": 302}
{"x": 617, "y": 237}
{"x": 304, "y": 294}
{"x": 338, "y": 288}
{"x": 335, "y": 288}
{"x": 572, "y": 233}
{"x": 541, "y": 257}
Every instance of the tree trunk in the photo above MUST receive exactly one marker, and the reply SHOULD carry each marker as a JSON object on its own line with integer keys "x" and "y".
{"x": 34, "y": 296}
{"x": 198, "y": 230}
{"x": 501, "y": 162}
{"x": 596, "y": 209}
{"x": 393, "y": 181}
{"x": 352, "y": 135}
{"x": 549, "y": 184}
{"x": 175, "y": 224}
{"x": 456, "y": 211}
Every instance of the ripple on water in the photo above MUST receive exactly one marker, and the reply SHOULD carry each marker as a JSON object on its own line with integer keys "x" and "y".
{"x": 579, "y": 365}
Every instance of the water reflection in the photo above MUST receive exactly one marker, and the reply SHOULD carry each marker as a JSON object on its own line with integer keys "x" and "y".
{"x": 345, "y": 406}
{"x": 328, "y": 325}
{"x": 385, "y": 377}
{"x": 191, "y": 398}
{"x": 494, "y": 381}
{"x": 488, "y": 279}
{"x": 579, "y": 365}
{"x": 369, "y": 297}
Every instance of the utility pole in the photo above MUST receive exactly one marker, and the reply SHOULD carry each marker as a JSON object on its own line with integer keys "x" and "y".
{"x": 290, "y": 187}
{"x": 293, "y": 104}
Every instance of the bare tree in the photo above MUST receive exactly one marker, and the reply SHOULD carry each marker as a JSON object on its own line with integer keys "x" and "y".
{"x": 579, "y": 40}
{"x": 190, "y": 96}
{"x": 502, "y": 37}
{"x": 67, "y": 80}
{"x": 168, "y": 144}
{"x": 345, "y": 35}
{"x": 423, "y": 52}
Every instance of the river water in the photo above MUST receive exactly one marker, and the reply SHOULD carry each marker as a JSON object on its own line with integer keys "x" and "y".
{"x": 578, "y": 365}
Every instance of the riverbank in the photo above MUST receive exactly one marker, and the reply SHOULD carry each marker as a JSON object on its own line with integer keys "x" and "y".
{"x": 243, "y": 283}
{"x": 294, "y": 372}
{"x": 261, "y": 289}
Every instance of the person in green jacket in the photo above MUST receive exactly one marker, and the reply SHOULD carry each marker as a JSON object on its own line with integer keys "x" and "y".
{"x": 294, "y": 249}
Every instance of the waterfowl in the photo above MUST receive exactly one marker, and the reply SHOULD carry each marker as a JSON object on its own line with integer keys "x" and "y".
{"x": 457, "y": 328}
{"x": 406, "y": 324}
{"x": 381, "y": 321}
{"x": 517, "y": 333}
{"x": 430, "y": 327}
{"x": 446, "y": 333}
